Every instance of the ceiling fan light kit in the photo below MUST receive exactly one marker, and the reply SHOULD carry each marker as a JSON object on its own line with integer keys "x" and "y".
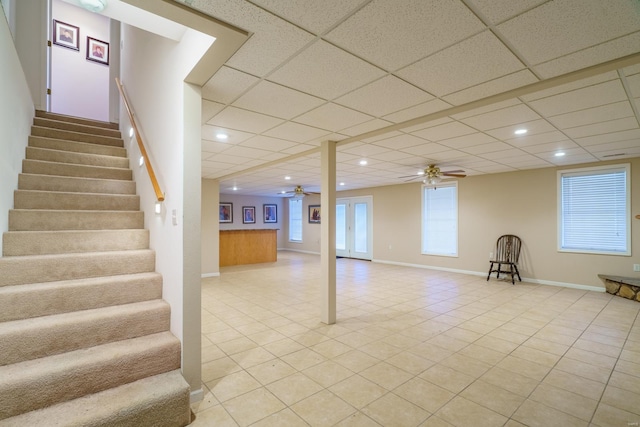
{"x": 433, "y": 175}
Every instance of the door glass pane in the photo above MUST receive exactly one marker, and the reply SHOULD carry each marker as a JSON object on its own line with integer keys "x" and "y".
{"x": 360, "y": 227}
{"x": 341, "y": 227}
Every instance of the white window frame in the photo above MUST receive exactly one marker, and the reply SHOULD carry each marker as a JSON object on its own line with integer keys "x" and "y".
{"x": 593, "y": 171}
{"x": 291, "y": 219}
{"x": 425, "y": 188}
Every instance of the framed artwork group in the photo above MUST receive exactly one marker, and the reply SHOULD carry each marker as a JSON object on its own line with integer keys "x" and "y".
{"x": 269, "y": 213}
{"x": 68, "y": 36}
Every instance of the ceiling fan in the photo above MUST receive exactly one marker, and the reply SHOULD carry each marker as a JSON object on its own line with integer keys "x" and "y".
{"x": 298, "y": 192}
{"x": 433, "y": 175}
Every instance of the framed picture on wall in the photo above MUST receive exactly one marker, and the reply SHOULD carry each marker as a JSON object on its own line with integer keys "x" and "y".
{"x": 97, "y": 51}
{"x": 66, "y": 35}
{"x": 270, "y": 213}
{"x": 226, "y": 212}
{"x": 314, "y": 214}
{"x": 248, "y": 214}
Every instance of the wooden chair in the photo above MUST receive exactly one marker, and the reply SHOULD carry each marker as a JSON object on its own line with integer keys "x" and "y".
{"x": 507, "y": 254}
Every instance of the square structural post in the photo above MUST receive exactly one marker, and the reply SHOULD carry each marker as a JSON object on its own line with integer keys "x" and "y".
{"x": 328, "y": 232}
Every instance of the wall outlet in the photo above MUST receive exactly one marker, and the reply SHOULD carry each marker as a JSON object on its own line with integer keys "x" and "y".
{"x": 389, "y": 247}
{"x": 490, "y": 255}
{"x": 636, "y": 267}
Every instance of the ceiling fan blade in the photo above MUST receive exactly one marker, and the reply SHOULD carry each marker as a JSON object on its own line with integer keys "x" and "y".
{"x": 455, "y": 171}
{"x": 453, "y": 174}
{"x": 409, "y": 176}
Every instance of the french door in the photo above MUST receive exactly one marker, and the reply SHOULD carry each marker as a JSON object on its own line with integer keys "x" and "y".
{"x": 354, "y": 227}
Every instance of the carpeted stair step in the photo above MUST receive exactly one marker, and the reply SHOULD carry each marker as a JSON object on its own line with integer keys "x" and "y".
{"x": 52, "y": 268}
{"x": 159, "y": 401}
{"x": 45, "y": 299}
{"x": 20, "y": 243}
{"x": 44, "y": 336}
{"x": 39, "y": 383}
{"x": 44, "y": 219}
{"x": 34, "y": 199}
{"x": 75, "y": 127}
{"x": 65, "y": 169}
{"x": 75, "y": 184}
{"x": 77, "y": 147}
{"x": 72, "y": 119}
{"x": 76, "y": 136}
{"x": 47, "y": 155}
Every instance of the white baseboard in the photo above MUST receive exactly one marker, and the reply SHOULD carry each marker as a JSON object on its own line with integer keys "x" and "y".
{"x": 484, "y": 274}
{"x": 196, "y": 396}
{"x": 204, "y": 276}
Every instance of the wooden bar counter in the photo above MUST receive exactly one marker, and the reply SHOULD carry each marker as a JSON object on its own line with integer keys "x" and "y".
{"x": 248, "y": 246}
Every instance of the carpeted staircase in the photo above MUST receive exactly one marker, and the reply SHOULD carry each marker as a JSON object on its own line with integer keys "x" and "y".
{"x": 84, "y": 332}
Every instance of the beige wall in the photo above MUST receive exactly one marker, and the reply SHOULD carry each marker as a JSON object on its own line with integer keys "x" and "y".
{"x": 210, "y": 228}
{"x": 16, "y": 114}
{"x": 522, "y": 203}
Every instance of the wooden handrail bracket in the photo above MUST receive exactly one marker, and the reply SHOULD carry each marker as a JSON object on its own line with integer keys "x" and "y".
{"x": 143, "y": 151}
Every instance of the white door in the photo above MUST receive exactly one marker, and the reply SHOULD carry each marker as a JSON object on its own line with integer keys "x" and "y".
{"x": 354, "y": 227}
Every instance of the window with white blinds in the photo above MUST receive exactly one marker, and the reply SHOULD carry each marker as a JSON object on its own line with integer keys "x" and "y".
{"x": 440, "y": 220}
{"x": 594, "y": 210}
{"x": 295, "y": 220}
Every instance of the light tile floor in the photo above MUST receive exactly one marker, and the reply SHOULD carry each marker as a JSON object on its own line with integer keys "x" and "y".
{"x": 413, "y": 347}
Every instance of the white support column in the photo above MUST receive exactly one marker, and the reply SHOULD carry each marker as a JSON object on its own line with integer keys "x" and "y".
{"x": 328, "y": 231}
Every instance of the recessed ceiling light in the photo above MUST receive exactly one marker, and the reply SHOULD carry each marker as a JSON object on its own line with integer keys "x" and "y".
{"x": 363, "y": 162}
{"x": 520, "y": 131}
{"x": 421, "y": 173}
{"x": 287, "y": 178}
{"x": 342, "y": 183}
{"x": 222, "y": 136}
{"x": 559, "y": 154}
{"x": 283, "y": 192}
{"x": 235, "y": 188}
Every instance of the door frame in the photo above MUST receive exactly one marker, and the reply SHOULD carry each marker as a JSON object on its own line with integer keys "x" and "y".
{"x": 349, "y": 252}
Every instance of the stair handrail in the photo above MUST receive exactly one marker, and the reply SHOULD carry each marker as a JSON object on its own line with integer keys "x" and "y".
{"x": 143, "y": 151}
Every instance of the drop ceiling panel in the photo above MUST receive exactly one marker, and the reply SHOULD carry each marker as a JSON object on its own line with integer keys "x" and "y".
{"x": 616, "y": 147}
{"x": 210, "y": 109}
{"x": 475, "y": 60}
{"x": 569, "y": 26}
{"x": 296, "y": 132}
{"x": 366, "y": 127}
{"x": 384, "y": 96}
{"x": 534, "y": 127}
{"x": 227, "y": 84}
{"x": 555, "y": 146}
{"x": 581, "y": 99}
{"x": 311, "y": 15}
{"x": 502, "y": 118}
{"x": 426, "y": 149}
{"x": 333, "y": 117}
{"x": 611, "y": 137}
{"x": 268, "y": 143}
{"x": 210, "y": 132}
{"x": 393, "y": 34}
{"x": 275, "y": 100}
{"x": 634, "y": 84}
{"x": 400, "y": 142}
{"x": 272, "y": 41}
{"x": 420, "y": 110}
{"x": 601, "y": 128}
{"x": 531, "y": 140}
{"x": 465, "y": 141}
{"x": 493, "y": 87}
{"x": 497, "y": 11}
{"x": 487, "y": 148}
{"x": 445, "y": 131}
{"x": 594, "y": 55}
{"x": 602, "y": 113}
{"x": 325, "y": 71}
{"x": 243, "y": 120}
